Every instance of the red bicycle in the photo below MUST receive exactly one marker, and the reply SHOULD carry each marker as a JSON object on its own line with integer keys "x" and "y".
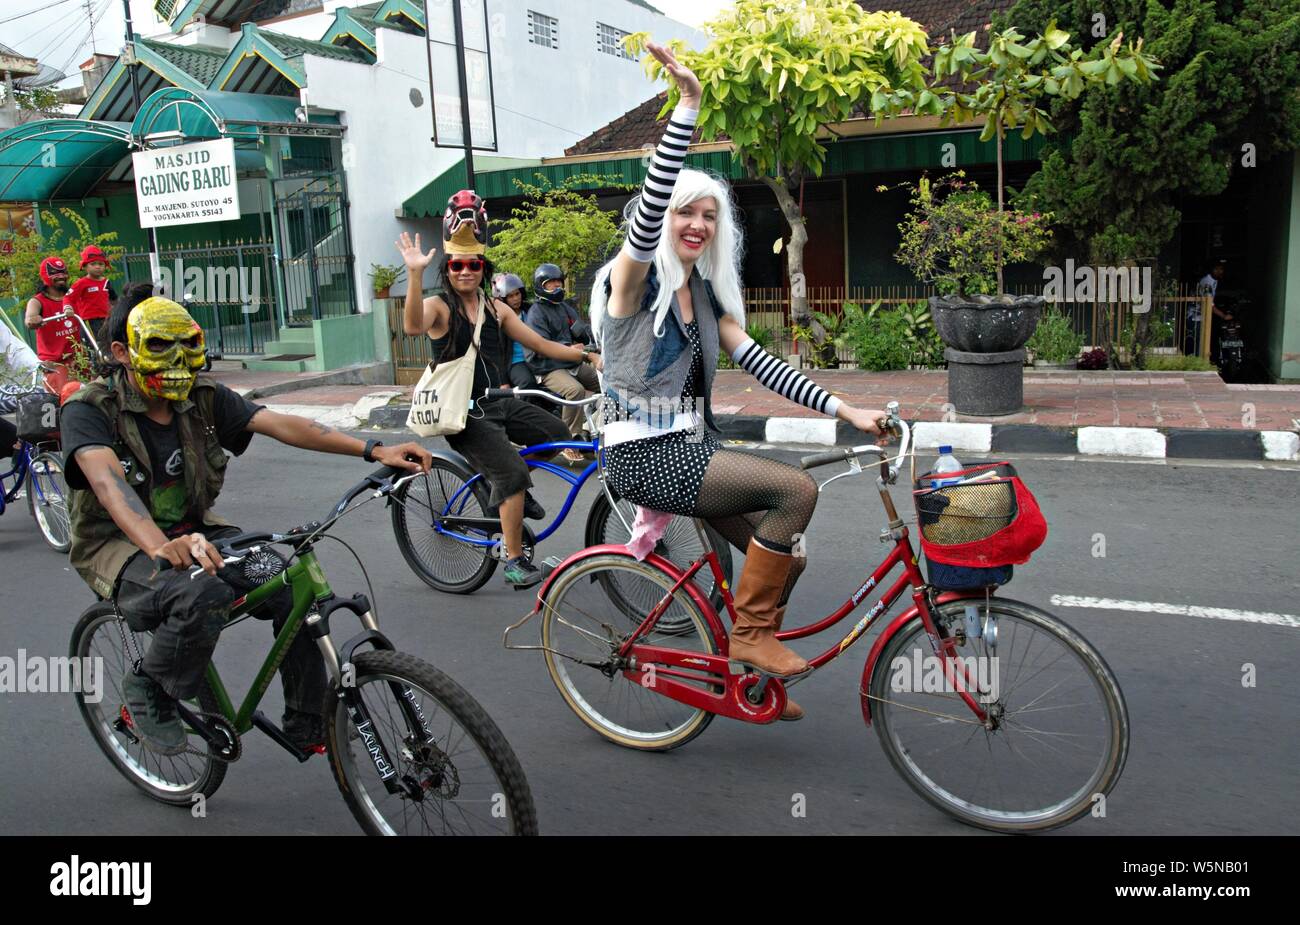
{"x": 993, "y": 710}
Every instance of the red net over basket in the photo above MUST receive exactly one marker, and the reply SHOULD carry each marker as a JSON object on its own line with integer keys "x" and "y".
{"x": 989, "y": 519}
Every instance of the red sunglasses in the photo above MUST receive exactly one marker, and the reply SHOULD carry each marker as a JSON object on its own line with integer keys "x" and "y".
{"x": 474, "y": 264}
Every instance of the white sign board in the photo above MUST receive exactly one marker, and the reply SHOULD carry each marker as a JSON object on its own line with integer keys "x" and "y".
{"x": 447, "y": 127}
{"x": 186, "y": 184}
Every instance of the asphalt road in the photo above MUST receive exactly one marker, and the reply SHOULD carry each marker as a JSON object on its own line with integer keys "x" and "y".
{"x": 1209, "y": 755}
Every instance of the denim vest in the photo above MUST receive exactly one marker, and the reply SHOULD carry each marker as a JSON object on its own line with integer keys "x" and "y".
{"x": 644, "y": 374}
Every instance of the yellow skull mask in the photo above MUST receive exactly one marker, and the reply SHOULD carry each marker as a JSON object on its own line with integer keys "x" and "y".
{"x": 166, "y": 348}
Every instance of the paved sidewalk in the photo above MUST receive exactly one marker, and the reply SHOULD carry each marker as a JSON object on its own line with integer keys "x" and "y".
{"x": 1061, "y": 399}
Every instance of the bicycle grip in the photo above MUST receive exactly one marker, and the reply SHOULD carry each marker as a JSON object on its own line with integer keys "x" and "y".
{"x": 830, "y": 456}
{"x": 498, "y": 393}
{"x": 161, "y": 565}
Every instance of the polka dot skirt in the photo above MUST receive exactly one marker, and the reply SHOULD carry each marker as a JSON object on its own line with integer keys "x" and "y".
{"x": 664, "y": 473}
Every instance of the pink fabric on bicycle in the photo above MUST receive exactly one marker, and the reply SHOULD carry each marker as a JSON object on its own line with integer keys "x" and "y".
{"x": 647, "y": 528}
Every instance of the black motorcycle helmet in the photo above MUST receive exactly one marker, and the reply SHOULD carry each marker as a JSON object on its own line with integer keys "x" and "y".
{"x": 544, "y": 274}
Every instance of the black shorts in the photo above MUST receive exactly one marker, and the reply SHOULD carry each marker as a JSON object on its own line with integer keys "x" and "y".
{"x": 486, "y": 442}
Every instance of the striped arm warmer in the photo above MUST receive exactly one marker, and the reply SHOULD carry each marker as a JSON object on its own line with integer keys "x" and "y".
{"x": 783, "y": 379}
{"x": 648, "y": 220}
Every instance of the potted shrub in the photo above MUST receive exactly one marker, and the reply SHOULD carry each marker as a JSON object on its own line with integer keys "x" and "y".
{"x": 382, "y": 277}
{"x": 1054, "y": 343}
{"x": 956, "y": 239}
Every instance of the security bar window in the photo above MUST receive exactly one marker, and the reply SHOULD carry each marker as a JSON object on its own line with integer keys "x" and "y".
{"x": 543, "y": 30}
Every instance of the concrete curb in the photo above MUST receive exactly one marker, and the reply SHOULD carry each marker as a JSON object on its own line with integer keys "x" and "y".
{"x": 1131, "y": 442}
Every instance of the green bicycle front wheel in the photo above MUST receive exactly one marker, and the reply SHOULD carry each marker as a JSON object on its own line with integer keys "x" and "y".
{"x": 458, "y": 774}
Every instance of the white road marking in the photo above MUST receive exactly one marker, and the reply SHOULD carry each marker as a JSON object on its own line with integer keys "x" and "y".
{"x": 1185, "y": 610}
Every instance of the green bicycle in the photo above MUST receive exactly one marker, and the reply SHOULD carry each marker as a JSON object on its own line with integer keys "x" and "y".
{"x": 411, "y": 751}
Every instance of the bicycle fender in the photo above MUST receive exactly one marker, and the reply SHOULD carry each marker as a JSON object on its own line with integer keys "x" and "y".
{"x": 656, "y": 561}
{"x": 452, "y": 457}
{"x": 904, "y": 618}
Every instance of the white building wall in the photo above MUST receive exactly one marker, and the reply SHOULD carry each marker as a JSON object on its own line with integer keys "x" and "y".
{"x": 546, "y": 101}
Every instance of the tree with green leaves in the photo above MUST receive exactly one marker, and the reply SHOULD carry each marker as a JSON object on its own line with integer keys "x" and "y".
{"x": 555, "y": 224}
{"x": 20, "y": 258}
{"x": 777, "y": 75}
{"x": 1229, "y": 99}
{"x": 1012, "y": 82}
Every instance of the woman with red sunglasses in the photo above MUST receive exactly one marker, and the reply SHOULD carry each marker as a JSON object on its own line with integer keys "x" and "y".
{"x": 448, "y": 317}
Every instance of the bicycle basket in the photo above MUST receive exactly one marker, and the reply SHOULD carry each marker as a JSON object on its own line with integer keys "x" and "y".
{"x": 37, "y": 417}
{"x": 988, "y": 520}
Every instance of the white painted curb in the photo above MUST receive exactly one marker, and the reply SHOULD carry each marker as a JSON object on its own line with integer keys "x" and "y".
{"x": 1122, "y": 441}
{"x": 928, "y": 435}
{"x": 340, "y": 416}
{"x": 1280, "y": 444}
{"x": 801, "y": 430}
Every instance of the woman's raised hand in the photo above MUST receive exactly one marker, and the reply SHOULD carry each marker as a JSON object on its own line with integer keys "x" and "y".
{"x": 414, "y": 258}
{"x": 687, "y": 83}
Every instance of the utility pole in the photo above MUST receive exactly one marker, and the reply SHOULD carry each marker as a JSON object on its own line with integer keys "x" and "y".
{"x": 155, "y": 269}
{"x": 464, "y": 94}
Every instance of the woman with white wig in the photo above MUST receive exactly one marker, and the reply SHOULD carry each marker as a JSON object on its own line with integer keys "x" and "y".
{"x": 661, "y": 310}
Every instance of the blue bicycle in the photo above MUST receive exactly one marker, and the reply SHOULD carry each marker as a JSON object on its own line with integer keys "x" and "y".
{"x": 38, "y": 467}
{"x": 452, "y": 541}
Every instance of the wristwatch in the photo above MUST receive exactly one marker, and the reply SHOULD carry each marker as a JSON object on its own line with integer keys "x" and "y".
{"x": 370, "y": 446}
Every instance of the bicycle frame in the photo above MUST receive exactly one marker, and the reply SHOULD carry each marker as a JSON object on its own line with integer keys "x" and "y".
{"x": 757, "y": 698}
{"x": 456, "y": 503}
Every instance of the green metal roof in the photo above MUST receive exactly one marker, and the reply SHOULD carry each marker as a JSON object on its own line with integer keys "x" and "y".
{"x": 402, "y": 11}
{"x": 494, "y": 179}
{"x": 293, "y": 47}
{"x": 199, "y": 61}
{"x": 430, "y": 201}
{"x": 59, "y": 158}
{"x": 213, "y": 114}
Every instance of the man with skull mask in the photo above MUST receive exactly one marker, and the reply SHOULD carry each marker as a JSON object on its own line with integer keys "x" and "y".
{"x": 145, "y": 451}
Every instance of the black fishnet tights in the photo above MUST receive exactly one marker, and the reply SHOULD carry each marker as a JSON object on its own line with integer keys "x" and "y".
{"x": 745, "y": 496}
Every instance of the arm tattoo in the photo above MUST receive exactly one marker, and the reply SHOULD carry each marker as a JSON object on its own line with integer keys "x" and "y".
{"x": 322, "y": 428}
{"x": 123, "y": 493}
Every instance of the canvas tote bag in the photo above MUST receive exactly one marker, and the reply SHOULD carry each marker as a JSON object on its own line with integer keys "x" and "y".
{"x": 441, "y": 398}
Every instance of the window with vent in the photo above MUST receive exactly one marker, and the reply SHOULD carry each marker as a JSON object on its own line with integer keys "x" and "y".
{"x": 543, "y": 30}
{"x": 166, "y": 9}
{"x": 609, "y": 39}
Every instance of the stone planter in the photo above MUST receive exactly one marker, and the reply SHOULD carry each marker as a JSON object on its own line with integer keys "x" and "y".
{"x": 985, "y": 337}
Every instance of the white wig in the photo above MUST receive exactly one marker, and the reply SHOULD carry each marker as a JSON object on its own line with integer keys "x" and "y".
{"x": 719, "y": 264}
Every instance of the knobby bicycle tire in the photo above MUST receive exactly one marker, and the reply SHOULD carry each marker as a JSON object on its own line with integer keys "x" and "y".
{"x": 384, "y": 668}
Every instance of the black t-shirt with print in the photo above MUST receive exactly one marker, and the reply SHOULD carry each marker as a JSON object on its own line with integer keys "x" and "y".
{"x": 82, "y": 426}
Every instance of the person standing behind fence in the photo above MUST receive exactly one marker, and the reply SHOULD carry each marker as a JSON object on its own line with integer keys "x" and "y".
{"x": 555, "y": 319}
{"x": 1207, "y": 286}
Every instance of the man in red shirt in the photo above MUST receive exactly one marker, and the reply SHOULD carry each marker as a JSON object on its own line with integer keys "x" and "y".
{"x": 54, "y": 342}
{"x": 91, "y": 296}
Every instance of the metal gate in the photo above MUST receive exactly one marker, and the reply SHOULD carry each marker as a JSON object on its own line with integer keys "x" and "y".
{"x": 228, "y": 288}
{"x": 316, "y": 248}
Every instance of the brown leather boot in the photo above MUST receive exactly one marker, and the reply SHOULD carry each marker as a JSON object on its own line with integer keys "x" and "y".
{"x": 792, "y": 711}
{"x": 753, "y": 637}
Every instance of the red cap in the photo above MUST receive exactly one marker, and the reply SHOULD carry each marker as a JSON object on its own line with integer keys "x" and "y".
{"x": 91, "y": 252}
{"x": 51, "y": 263}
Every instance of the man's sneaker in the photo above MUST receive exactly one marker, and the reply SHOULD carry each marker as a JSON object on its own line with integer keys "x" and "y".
{"x": 153, "y": 714}
{"x": 305, "y": 730}
{"x": 520, "y": 573}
